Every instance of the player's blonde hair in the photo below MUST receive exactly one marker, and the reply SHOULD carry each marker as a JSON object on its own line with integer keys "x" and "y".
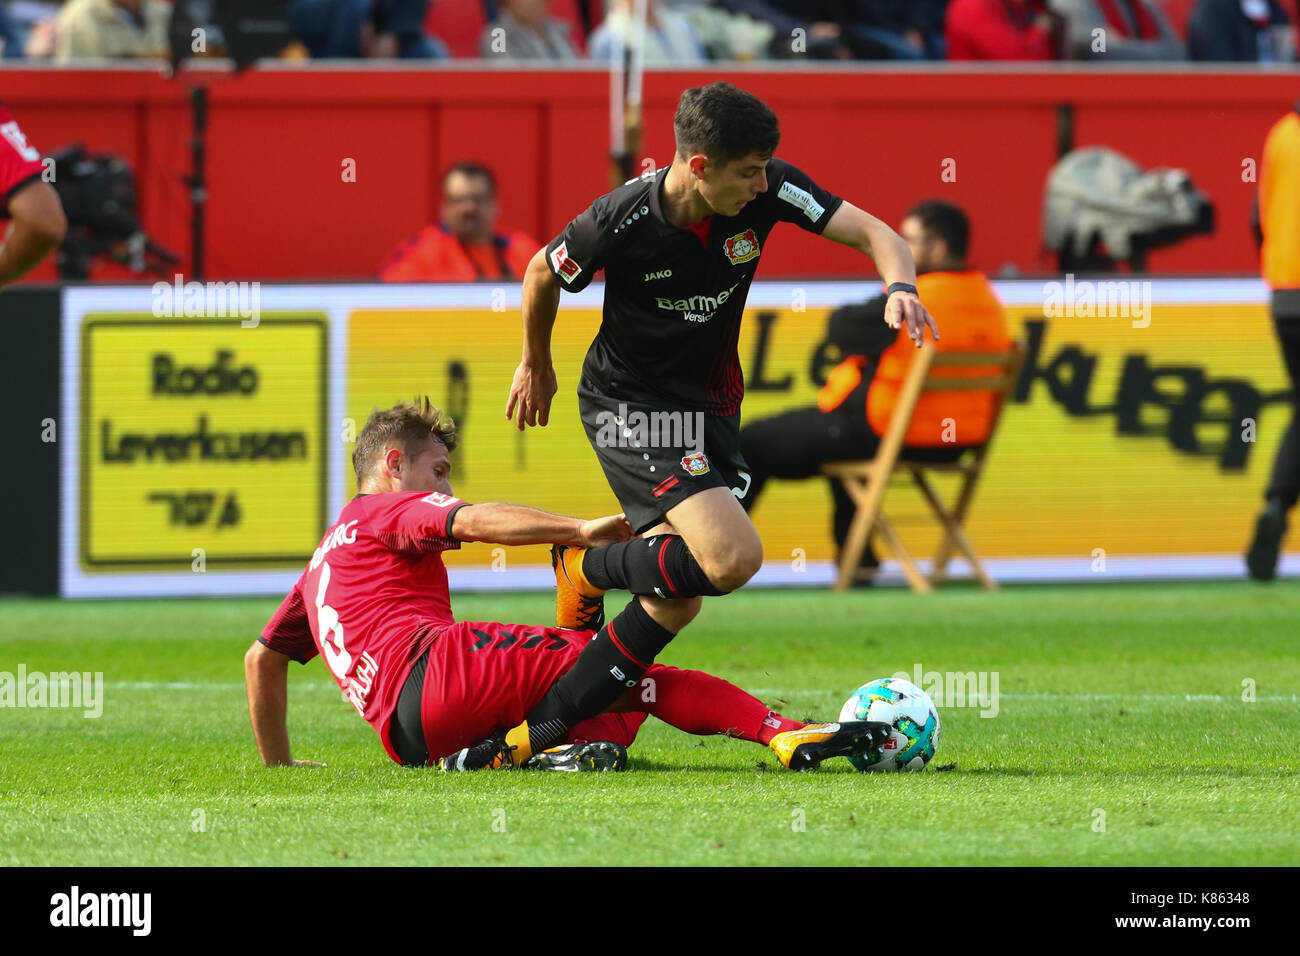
{"x": 407, "y": 423}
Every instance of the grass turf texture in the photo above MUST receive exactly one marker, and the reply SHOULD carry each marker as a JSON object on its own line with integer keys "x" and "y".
{"x": 1202, "y": 780}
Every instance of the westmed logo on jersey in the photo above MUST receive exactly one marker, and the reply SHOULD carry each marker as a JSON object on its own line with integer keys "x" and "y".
{"x": 801, "y": 198}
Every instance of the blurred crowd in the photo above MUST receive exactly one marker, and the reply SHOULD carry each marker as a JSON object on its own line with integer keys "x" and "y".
{"x": 684, "y": 32}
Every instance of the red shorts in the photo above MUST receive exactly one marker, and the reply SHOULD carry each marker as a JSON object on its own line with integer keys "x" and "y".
{"x": 484, "y": 677}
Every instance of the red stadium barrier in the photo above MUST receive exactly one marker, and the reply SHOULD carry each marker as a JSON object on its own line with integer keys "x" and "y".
{"x": 279, "y": 139}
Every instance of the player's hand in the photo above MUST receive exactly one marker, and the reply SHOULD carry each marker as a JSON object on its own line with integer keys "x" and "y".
{"x": 608, "y": 530}
{"x": 532, "y": 391}
{"x": 905, "y": 309}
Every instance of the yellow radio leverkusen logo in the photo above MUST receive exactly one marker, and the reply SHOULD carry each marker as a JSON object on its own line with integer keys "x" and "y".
{"x": 202, "y": 435}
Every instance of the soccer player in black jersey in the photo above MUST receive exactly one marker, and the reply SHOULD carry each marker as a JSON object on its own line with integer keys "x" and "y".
{"x": 661, "y": 386}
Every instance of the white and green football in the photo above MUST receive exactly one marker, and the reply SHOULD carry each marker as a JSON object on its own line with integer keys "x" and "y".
{"x": 908, "y": 710}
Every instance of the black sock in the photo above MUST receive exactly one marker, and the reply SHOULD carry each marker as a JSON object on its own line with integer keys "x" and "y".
{"x": 614, "y": 660}
{"x": 661, "y": 566}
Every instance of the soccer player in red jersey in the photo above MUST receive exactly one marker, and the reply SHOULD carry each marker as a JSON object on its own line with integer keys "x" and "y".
{"x": 38, "y": 224}
{"x": 374, "y": 603}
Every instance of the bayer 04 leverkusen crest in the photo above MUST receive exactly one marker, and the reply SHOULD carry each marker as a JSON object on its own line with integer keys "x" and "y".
{"x": 741, "y": 247}
{"x": 696, "y": 464}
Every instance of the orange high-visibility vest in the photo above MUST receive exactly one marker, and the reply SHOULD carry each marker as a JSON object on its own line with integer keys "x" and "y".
{"x": 434, "y": 255}
{"x": 970, "y": 319}
{"x": 1279, "y": 204}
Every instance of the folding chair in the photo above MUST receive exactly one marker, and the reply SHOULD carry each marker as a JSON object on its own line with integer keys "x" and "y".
{"x": 865, "y": 481}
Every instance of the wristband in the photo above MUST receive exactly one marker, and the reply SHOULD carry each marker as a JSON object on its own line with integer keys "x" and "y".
{"x": 899, "y": 287}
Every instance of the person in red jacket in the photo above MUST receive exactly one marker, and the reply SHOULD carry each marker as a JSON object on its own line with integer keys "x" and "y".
{"x": 1001, "y": 30}
{"x": 37, "y": 222}
{"x": 465, "y": 245}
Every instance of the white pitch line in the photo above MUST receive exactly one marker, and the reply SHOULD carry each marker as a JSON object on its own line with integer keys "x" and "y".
{"x": 774, "y": 691}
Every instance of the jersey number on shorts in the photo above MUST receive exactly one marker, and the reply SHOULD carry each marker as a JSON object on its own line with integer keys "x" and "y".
{"x": 331, "y": 629}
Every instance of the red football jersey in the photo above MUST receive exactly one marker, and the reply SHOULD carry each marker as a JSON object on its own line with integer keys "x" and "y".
{"x": 372, "y": 597}
{"x": 19, "y": 161}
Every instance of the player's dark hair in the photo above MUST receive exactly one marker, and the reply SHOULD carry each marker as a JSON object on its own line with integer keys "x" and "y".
{"x": 724, "y": 123}
{"x": 470, "y": 168}
{"x": 406, "y": 424}
{"x": 945, "y": 220}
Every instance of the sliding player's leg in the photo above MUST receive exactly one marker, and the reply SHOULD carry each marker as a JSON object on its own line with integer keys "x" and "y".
{"x": 613, "y": 661}
{"x": 623, "y": 650}
{"x": 700, "y": 703}
{"x": 484, "y": 676}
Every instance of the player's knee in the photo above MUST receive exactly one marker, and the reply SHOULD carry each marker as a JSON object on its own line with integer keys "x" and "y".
{"x": 730, "y": 569}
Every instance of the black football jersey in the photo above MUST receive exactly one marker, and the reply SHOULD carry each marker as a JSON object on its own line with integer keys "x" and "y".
{"x": 674, "y": 297}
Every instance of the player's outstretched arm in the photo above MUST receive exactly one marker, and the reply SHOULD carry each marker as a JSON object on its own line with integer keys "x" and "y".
{"x": 266, "y": 677}
{"x": 495, "y": 523}
{"x": 854, "y": 227}
{"x": 534, "y": 384}
{"x": 38, "y": 227}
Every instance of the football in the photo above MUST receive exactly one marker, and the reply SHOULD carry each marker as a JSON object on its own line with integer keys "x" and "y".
{"x": 906, "y": 708}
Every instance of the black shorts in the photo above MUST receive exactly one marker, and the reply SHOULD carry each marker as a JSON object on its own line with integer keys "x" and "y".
{"x": 655, "y": 456}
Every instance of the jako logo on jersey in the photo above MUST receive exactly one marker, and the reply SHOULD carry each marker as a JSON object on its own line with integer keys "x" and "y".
{"x": 801, "y": 198}
{"x": 741, "y": 247}
{"x": 565, "y": 267}
{"x": 439, "y": 500}
{"x": 698, "y": 308}
{"x": 663, "y": 274}
{"x": 696, "y": 464}
{"x": 342, "y": 534}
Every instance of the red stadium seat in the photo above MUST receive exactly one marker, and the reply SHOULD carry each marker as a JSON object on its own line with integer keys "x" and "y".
{"x": 458, "y": 23}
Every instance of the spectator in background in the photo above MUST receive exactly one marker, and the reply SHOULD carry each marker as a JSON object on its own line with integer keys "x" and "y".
{"x": 465, "y": 244}
{"x": 908, "y": 29}
{"x": 844, "y": 29}
{"x": 364, "y": 29}
{"x": 855, "y": 405}
{"x": 1279, "y": 220}
{"x": 669, "y": 36}
{"x": 1001, "y": 30}
{"x": 523, "y": 31}
{"x": 34, "y": 22}
{"x": 1254, "y": 31}
{"x": 112, "y": 29}
{"x": 11, "y": 39}
{"x": 1130, "y": 30}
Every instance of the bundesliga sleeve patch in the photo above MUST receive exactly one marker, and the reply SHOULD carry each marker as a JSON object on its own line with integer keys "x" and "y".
{"x": 564, "y": 267}
{"x": 802, "y": 199}
{"x": 439, "y": 500}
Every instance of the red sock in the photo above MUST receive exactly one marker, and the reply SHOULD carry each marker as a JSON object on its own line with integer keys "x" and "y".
{"x": 699, "y": 703}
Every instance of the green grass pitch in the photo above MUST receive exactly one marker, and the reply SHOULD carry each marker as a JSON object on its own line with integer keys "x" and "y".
{"x": 1121, "y": 737}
